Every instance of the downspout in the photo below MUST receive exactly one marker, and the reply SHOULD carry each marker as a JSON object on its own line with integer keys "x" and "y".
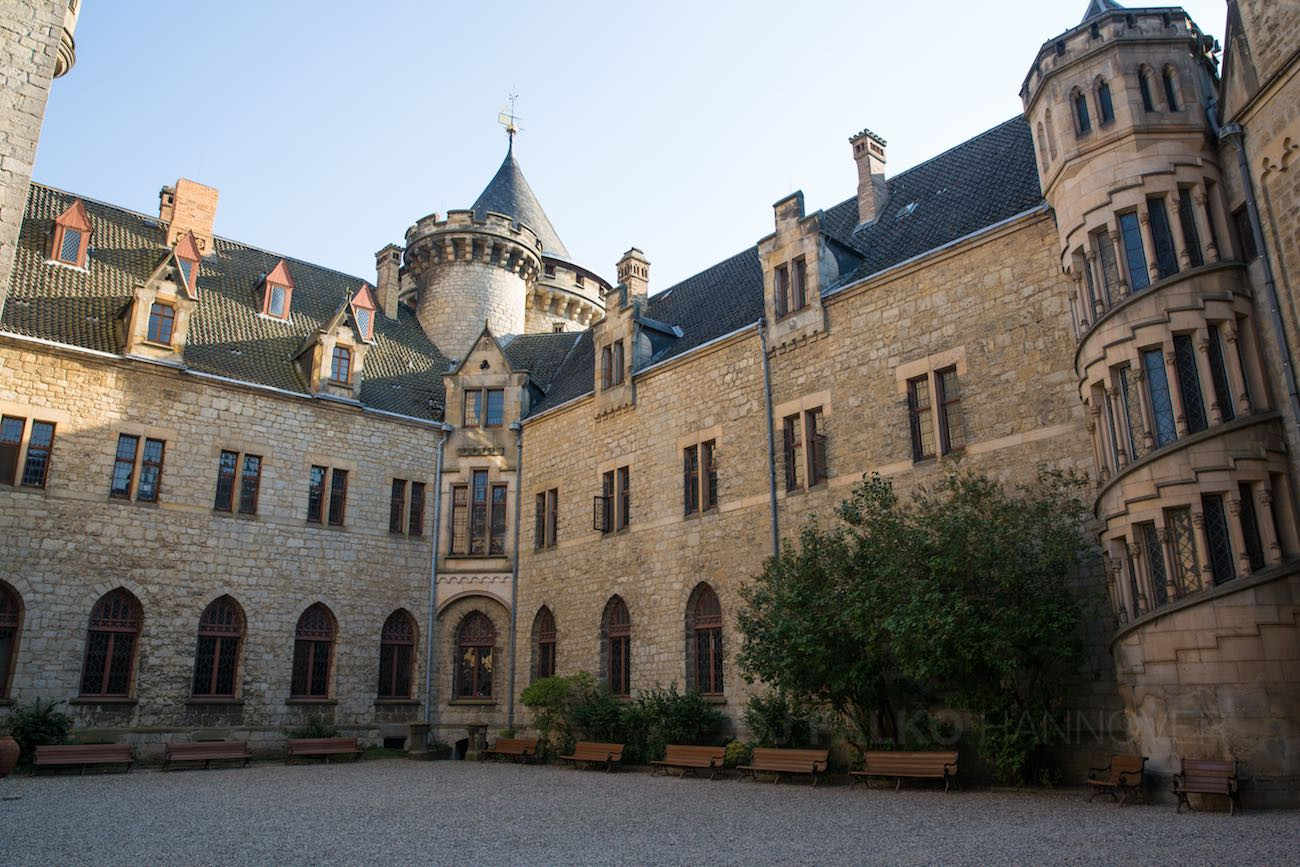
{"x": 514, "y": 571}
{"x": 431, "y": 629}
{"x": 771, "y": 435}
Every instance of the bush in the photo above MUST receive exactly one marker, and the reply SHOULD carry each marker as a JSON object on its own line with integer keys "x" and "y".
{"x": 316, "y": 727}
{"x": 738, "y": 753}
{"x": 36, "y": 723}
{"x": 777, "y": 720}
{"x": 660, "y": 717}
{"x": 552, "y": 704}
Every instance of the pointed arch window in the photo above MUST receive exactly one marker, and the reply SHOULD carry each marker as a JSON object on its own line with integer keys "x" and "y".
{"x": 1105, "y": 106}
{"x": 543, "y": 644}
{"x": 1051, "y": 132}
{"x": 617, "y": 629}
{"x": 313, "y": 653}
{"x": 111, "y": 640}
{"x": 70, "y": 240}
{"x": 396, "y": 655}
{"x": 10, "y": 624}
{"x": 1083, "y": 123}
{"x": 1144, "y": 86}
{"x": 1171, "y": 87}
{"x": 216, "y": 657}
{"x": 475, "y": 643}
{"x": 704, "y": 641}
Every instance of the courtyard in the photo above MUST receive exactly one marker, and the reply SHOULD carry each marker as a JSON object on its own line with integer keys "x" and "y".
{"x": 398, "y": 811}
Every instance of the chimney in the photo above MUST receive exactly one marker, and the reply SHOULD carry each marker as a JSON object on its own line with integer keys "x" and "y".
{"x": 388, "y": 279}
{"x": 633, "y": 271}
{"x": 869, "y": 153}
{"x": 188, "y": 207}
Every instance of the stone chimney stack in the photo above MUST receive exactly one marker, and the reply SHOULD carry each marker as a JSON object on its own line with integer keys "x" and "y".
{"x": 188, "y": 207}
{"x": 388, "y": 280}
{"x": 869, "y": 153}
{"x": 633, "y": 271}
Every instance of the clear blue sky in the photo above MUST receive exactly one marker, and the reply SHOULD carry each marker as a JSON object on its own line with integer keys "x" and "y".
{"x": 329, "y": 127}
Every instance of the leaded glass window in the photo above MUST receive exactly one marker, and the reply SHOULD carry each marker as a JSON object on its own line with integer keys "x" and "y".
{"x": 1134, "y": 255}
{"x": 1132, "y": 413}
{"x": 474, "y": 648}
{"x": 110, "y": 645}
{"x": 1162, "y": 408}
{"x": 1189, "y": 383}
{"x": 227, "y": 465}
{"x": 276, "y": 307}
{"x": 365, "y": 320}
{"x": 1187, "y": 219}
{"x": 1250, "y": 528}
{"x": 1109, "y": 265}
{"x": 1219, "y": 375}
{"x": 1216, "y": 534}
{"x": 396, "y": 652}
{"x": 37, "y": 463}
{"x": 1162, "y": 237}
{"x": 618, "y": 647}
{"x": 9, "y": 623}
{"x": 918, "y": 406}
{"x": 151, "y": 467}
{"x": 1155, "y": 555}
{"x": 70, "y": 249}
{"x": 706, "y": 637}
{"x": 313, "y": 653}
{"x": 544, "y": 636}
{"x": 1185, "y": 565}
{"x": 216, "y": 658}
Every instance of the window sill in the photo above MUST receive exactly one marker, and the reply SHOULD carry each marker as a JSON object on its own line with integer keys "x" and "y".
{"x": 714, "y": 699}
{"x": 214, "y": 700}
{"x": 338, "y": 384}
{"x": 473, "y": 702}
{"x": 322, "y": 526}
{"x": 397, "y": 702}
{"x": 156, "y": 345}
{"x": 239, "y": 516}
{"x": 5, "y": 702}
{"x": 310, "y": 700}
{"x": 104, "y": 700}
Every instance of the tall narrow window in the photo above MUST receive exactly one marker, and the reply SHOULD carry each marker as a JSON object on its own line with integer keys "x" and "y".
{"x": 606, "y": 366}
{"x": 9, "y": 626}
{"x": 227, "y": 468}
{"x": 474, "y": 645}
{"x": 338, "y": 497}
{"x": 539, "y": 521}
{"x": 605, "y": 503}
{"x": 11, "y": 443}
{"x": 691, "y": 479}
{"x": 415, "y": 518}
{"x": 624, "y": 516}
{"x": 709, "y": 473}
{"x": 316, "y": 494}
{"x": 396, "y": 652}
{"x": 1249, "y": 531}
{"x": 619, "y": 363}
{"x": 705, "y": 636}
{"x": 1109, "y": 265}
{"x": 1189, "y": 383}
{"x": 397, "y": 506}
{"x": 478, "y": 514}
{"x": 1081, "y": 112}
{"x": 1216, "y": 534}
{"x": 473, "y": 407}
{"x": 497, "y": 544}
{"x": 1128, "y": 391}
{"x": 815, "y": 422}
{"x": 792, "y": 438}
{"x": 1171, "y": 89}
{"x": 216, "y": 657}
{"x": 618, "y": 647}
{"x": 1166, "y": 257}
{"x": 1219, "y": 375}
{"x": 1184, "y": 565}
{"x": 70, "y": 247}
{"x": 162, "y": 317}
{"x": 1134, "y": 255}
{"x": 782, "y": 290}
{"x": 460, "y": 519}
{"x": 250, "y": 485}
{"x": 1245, "y": 234}
{"x": 313, "y": 653}
{"x": 918, "y": 407}
{"x": 341, "y": 366}
{"x": 36, "y": 465}
{"x": 543, "y": 644}
{"x": 798, "y": 284}
{"x": 1155, "y": 565}
{"x": 277, "y": 302}
{"x": 552, "y": 516}
{"x": 496, "y": 408}
{"x": 1144, "y": 85}
{"x": 1104, "y": 104}
{"x": 1162, "y": 407}
{"x": 109, "y": 664}
{"x": 1187, "y": 220}
{"x": 952, "y": 428}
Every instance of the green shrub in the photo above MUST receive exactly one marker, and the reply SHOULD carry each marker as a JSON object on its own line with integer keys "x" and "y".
{"x": 316, "y": 727}
{"x": 738, "y": 753}
{"x": 36, "y": 723}
{"x": 661, "y": 716}
{"x": 598, "y": 716}
{"x": 777, "y": 720}
{"x": 552, "y": 704}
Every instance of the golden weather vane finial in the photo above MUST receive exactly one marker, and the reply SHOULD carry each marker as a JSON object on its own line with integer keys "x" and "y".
{"x": 508, "y": 119}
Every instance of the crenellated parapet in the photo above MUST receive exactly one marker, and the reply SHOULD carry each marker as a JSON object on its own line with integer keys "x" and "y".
{"x": 565, "y": 298}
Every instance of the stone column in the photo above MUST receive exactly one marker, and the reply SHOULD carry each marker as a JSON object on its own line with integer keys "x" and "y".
{"x": 1232, "y": 365}
{"x": 1206, "y": 578}
{"x": 1149, "y": 244}
{"x": 1146, "y": 415}
{"x": 1202, "y": 219}
{"x": 1116, "y": 416}
{"x": 1175, "y": 390}
{"x": 1267, "y": 529}
{"x": 1208, "y": 395}
{"x": 1141, "y": 578}
{"x": 1237, "y": 536}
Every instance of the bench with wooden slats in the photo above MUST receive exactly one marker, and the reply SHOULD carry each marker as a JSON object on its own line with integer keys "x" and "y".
{"x": 1123, "y": 775}
{"x": 779, "y": 762}
{"x": 205, "y": 751}
{"x": 521, "y": 749}
{"x": 595, "y": 753}
{"x": 81, "y": 755}
{"x": 941, "y": 765}
{"x": 324, "y": 747}
{"x": 691, "y": 759}
{"x": 1207, "y": 777}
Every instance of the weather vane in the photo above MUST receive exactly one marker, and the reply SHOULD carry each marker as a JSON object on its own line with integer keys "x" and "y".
{"x": 508, "y": 118}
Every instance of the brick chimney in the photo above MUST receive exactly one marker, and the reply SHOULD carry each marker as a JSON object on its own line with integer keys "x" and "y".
{"x": 188, "y": 207}
{"x": 633, "y": 271}
{"x": 388, "y": 279}
{"x": 869, "y": 154}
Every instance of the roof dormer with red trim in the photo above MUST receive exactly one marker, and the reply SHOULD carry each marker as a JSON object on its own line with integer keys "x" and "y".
{"x": 70, "y": 240}
{"x": 363, "y": 312}
{"x": 188, "y": 259}
{"x": 277, "y": 292}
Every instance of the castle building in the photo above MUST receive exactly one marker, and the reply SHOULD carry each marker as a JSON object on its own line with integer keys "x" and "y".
{"x": 238, "y": 490}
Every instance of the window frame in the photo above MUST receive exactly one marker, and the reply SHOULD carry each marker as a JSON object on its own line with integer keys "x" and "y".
{"x": 114, "y": 622}
{"x": 220, "y": 633}
{"x": 341, "y": 357}
{"x": 397, "y": 653}
{"x": 617, "y": 634}
{"x": 792, "y": 450}
{"x": 545, "y": 519}
{"x": 397, "y": 507}
{"x": 415, "y": 510}
{"x": 156, "y": 322}
{"x": 705, "y": 671}
{"x": 545, "y": 644}
{"x": 920, "y": 418}
{"x": 469, "y": 684}
{"x": 307, "y": 641}
{"x": 11, "y": 629}
{"x": 944, "y": 404}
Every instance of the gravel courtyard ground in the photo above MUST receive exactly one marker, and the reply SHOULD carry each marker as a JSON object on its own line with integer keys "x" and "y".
{"x": 403, "y": 812}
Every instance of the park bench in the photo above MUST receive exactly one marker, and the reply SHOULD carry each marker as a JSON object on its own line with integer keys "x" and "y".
{"x": 594, "y": 753}
{"x": 324, "y": 747}
{"x": 513, "y": 748}
{"x": 80, "y": 755}
{"x": 766, "y": 760}
{"x": 205, "y": 751}
{"x": 903, "y": 763}
{"x": 1123, "y": 775}
{"x": 691, "y": 759}
{"x": 1207, "y": 777}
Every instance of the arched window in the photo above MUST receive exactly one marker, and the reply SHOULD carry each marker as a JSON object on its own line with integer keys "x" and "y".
{"x": 10, "y": 622}
{"x": 1051, "y": 132}
{"x": 111, "y": 645}
{"x": 313, "y": 653}
{"x": 616, "y": 629}
{"x": 396, "y": 651}
{"x": 543, "y": 644}
{"x": 1083, "y": 123}
{"x": 1105, "y": 107}
{"x": 704, "y": 641}
{"x": 474, "y": 645}
{"x": 1042, "y": 146}
{"x": 216, "y": 659}
{"x": 1144, "y": 85}
{"x": 1171, "y": 88}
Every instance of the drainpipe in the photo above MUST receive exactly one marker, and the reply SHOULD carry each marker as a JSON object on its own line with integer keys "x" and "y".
{"x": 431, "y": 629}
{"x": 518, "y": 428}
{"x": 771, "y": 435}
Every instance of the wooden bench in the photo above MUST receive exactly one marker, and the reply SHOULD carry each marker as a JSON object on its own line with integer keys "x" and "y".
{"x": 941, "y": 765}
{"x": 325, "y": 747}
{"x": 1123, "y": 775}
{"x": 80, "y": 755}
{"x": 595, "y": 753}
{"x": 691, "y": 759}
{"x": 205, "y": 751}
{"x": 512, "y": 748}
{"x": 766, "y": 760}
{"x": 1207, "y": 777}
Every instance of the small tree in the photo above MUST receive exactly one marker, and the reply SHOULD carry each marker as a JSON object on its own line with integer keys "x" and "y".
{"x": 553, "y": 704}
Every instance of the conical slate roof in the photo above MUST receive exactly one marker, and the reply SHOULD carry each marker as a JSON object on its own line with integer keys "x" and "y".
{"x": 508, "y": 193}
{"x": 1099, "y": 7}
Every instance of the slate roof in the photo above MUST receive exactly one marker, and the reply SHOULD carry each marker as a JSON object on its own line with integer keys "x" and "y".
{"x": 227, "y": 336}
{"x": 1099, "y": 7}
{"x": 508, "y": 193}
{"x": 540, "y": 354}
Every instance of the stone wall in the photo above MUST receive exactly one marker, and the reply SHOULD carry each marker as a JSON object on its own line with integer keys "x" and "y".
{"x": 459, "y": 296}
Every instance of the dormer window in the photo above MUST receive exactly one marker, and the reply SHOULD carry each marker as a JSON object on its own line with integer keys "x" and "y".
{"x": 188, "y": 257}
{"x": 363, "y": 312}
{"x": 277, "y": 292}
{"x": 71, "y": 239}
{"x": 341, "y": 366}
{"x": 162, "y": 319}
{"x": 277, "y": 301}
{"x": 791, "y": 296}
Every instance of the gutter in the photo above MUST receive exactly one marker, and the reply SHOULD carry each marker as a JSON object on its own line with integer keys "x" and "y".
{"x": 771, "y": 434}
{"x": 431, "y": 629}
{"x": 518, "y": 428}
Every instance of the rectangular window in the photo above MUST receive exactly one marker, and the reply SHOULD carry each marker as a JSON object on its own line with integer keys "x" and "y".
{"x": 1109, "y": 265}
{"x": 316, "y": 494}
{"x": 397, "y": 506}
{"x": 497, "y": 544}
{"x": 1154, "y": 551}
{"x": 709, "y": 468}
{"x": 952, "y": 434}
{"x": 276, "y": 305}
{"x": 1184, "y": 565}
{"x": 227, "y": 469}
{"x": 124, "y": 469}
{"x": 11, "y": 441}
{"x": 1081, "y": 112}
{"x": 918, "y": 406}
{"x": 1105, "y": 104}
{"x": 460, "y": 519}
{"x": 338, "y": 496}
{"x": 539, "y": 521}
{"x": 605, "y": 503}
{"x": 250, "y": 485}
{"x": 473, "y": 407}
{"x": 791, "y": 436}
{"x": 37, "y": 465}
{"x": 341, "y": 366}
{"x": 618, "y": 362}
{"x": 798, "y": 278}
{"x": 624, "y": 516}
{"x": 782, "y": 289}
{"x": 691, "y": 479}
{"x": 1144, "y": 85}
{"x": 496, "y": 407}
{"x": 815, "y": 422}
{"x": 552, "y": 516}
{"x": 70, "y": 248}
{"x": 1162, "y": 408}
{"x": 1219, "y": 375}
{"x": 1222, "y": 566}
{"x": 1134, "y": 256}
{"x": 1245, "y": 234}
{"x": 1250, "y": 528}
{"x": 1189, "y": 383}
{"x": 478, "y": 514}
{"x": 1162, "y": 237}
{"x": 162, "y": 317}
{"x": 1187, "y": 219}
{"x": 1211, "y": 192}
{"x": 415, "y": 521}
{"x": 606, "y": 367}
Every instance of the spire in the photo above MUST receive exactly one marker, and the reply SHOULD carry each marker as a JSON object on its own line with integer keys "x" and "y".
{"x": 1099, "y": 7}
{"x": 508, "y": 193}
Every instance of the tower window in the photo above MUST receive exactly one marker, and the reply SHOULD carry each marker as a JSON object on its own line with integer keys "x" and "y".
{"x": 1187, "y": 219}
{"x": 1144, "y": 85}
{"x": 1171, "y": 88}
{"x": 1104, "y": 103}
{"x": 1166, "y": 258}
{"x": 70, "y": 247}
{"x": 1134, "y": 255}
{"x": 1081, "y": 112}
